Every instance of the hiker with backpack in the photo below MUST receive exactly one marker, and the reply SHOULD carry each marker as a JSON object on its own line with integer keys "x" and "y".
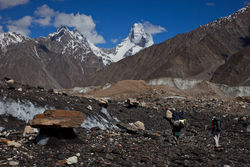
{"x": 177, "y": 121}
{"x": 216, "y": 130}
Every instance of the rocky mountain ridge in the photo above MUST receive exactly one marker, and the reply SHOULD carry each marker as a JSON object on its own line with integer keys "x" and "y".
{"x": 10, "y": 38}
{"x": 63, "y": 58}
{"x": 195, "y": 55}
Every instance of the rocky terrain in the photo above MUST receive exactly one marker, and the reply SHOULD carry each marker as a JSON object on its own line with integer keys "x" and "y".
{"x": 101, "y": 143}
{"x": 196, "y": 54}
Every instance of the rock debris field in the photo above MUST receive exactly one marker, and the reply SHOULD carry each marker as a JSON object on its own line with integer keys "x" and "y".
{"x": 105, "y": 139}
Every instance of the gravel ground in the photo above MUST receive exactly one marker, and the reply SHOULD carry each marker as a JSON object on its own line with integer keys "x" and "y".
{"x": 118, "y": 147}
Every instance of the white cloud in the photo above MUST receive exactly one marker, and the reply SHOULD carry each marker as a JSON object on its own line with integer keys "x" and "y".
{"x": 153, "y": 29}
{"x": 21, "y": 26}
{"x": 114, "y": 41}
{"x": 44, "y": 11}
{"x": 1, "y": 29}
{"x": 45, "y": 15}
{"x": 1, "y": 17}
{"x": 210, "y": 4}
{"x": 82, "y": 23}
{"x": 11, "y": 3}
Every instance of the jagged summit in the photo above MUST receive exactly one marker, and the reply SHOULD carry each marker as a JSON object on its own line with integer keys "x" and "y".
{"x": 9, "y": 38}
{"x": 72, "y": 42}
{"x": 65, "y": 28}
{"x": 138, "y": 35}
{"x": 137, "y": 40}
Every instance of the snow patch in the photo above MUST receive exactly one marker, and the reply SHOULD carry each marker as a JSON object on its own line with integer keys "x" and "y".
{"x": 35, "y": 50}
{"x": 101, "y": 122}
{"x": 106, "y": 86}
{"x": 81, "y": 90}
{"x": 235, "y": 91}
{"x": 1, "y": 129}
{"x": 23, "y": 110}
{"x": 175, "y": 82}
{"x": 174, "y": 97}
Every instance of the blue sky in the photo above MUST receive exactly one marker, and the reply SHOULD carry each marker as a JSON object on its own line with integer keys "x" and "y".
{"x": 107, "y": 22}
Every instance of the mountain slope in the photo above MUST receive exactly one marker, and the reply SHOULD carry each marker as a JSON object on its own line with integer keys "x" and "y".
{"x": 58, "y": 61}
{"x": 196, "y": 54}
{"x": 62, "y": 59}
{"x": 236, "y": 71}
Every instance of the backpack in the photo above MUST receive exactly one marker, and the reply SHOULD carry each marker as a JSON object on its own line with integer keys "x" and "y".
{"x": 178, "y": 119}
{"x": 216, "y": 124}
{"x": 178, "y": 116}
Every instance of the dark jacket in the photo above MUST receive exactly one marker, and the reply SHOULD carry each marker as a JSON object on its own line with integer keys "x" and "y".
{"x": 216, "y": 125}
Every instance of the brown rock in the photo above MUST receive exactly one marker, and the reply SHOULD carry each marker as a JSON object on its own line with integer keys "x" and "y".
{"x": 138, "y": 125}
{"x": 129, "y": 128}
{"x": 132, "y": 102}
{"x": 103, "y": 102}
{"x": 58, "y": 119}
{"x": 169, "y": 114}
{"x": 11, "y": 143}
{"x": 132, "y": 127}
{"x": 243, "y": 98}
{"x": 89, "y": 107}
{"x": 11, "y": 81}
{"x": 28, "y": 130}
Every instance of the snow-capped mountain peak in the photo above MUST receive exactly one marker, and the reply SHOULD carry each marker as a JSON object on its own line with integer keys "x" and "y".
{"x": 138, "y": 35}
{"x": 9, "y": 38}
{"x": 70, "y": 42}
{"x": 61, "y": 32}
{"x": 137, "y": 40}
{"x": 136, "y": 32}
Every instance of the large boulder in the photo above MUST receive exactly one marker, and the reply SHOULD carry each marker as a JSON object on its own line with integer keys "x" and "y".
{"x": 58, "y": 119}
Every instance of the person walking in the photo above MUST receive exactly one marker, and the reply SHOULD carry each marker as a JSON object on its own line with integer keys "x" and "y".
{"x": 216, "y": 130}
{"x": 177, "y": 121}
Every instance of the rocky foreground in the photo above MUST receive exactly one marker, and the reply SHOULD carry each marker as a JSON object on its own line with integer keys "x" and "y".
{"x": 115, "y": 146}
